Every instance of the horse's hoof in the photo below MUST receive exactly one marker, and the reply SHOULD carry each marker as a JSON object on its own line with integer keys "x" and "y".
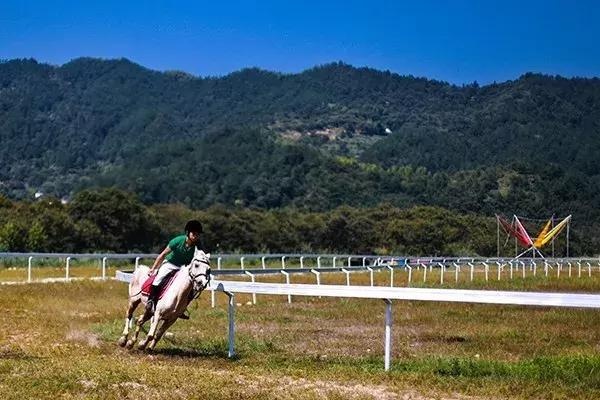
{"x": 129, "y": 344}
{"x": 142, "y": 345}
{"x": 122, "y": 341}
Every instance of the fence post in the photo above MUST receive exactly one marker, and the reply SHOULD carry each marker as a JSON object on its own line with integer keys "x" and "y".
{"x": 499, "y": 270}
{"x": 388, "y": 334}
{"x": 287, "y": 281}
{"x": 29, "y": 269}
{"x": 283, "y": 262}
{"x": 472, "y": 270}
{"x": 456, "y": 271}
{"x": 242, "y": 262}
{"x": 251, "y": 275}
{"x": 391, "y": 275}
{"x": 371, "y": 273}
{"x": 262, "y": 261}
{"x": 219, "y": 263}
{"x": 104, "y": 266}
{"x": 231, "y": 315}
{"x": 137, "y": 262}
{"x": 67, "y": 268}
{"x": 317, "y": 274}
{"x": 344, "y": 270}
{"x": 302, "y": 262}
{"x": 487, "y": 268}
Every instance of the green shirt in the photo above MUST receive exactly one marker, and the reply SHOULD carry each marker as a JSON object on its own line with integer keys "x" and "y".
{"x": 180, "y": 253}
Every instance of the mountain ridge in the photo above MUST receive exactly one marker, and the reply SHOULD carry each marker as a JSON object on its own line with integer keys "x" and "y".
{"x": 93, "y": 122}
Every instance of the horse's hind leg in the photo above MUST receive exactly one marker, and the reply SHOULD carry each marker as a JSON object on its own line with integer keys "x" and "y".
{"x": 138, "y": 326}
{"x": 128, "y": 322}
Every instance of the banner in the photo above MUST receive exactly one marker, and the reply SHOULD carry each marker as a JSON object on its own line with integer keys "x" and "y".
{"x": 523, "y": 240}
{"x": 555, "y": 231}
{"x": 543, "y": 233}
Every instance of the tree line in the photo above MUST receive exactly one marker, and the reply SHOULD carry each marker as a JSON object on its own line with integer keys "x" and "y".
{"x": 113, "y": 220}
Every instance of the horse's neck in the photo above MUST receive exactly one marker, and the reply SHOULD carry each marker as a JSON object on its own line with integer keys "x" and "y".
{"x": 182, "y": 281}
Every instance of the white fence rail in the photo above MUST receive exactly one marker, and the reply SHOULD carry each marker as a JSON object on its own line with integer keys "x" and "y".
{"x": 448, "y": 269}
{"x": 387, "y": 294}
{"x": 225, "y": 263}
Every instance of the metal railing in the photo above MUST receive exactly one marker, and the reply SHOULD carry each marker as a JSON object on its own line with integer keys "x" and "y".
{"x": 387, "y": 294}
{"x": 224, "y": 262}
{"x": 444, "y": 270}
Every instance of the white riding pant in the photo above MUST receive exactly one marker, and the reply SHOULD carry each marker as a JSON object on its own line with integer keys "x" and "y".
{"x": 165, "y": 268}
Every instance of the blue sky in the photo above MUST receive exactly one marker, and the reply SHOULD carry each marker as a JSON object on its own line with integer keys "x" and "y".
{"x": 456, "y": 41}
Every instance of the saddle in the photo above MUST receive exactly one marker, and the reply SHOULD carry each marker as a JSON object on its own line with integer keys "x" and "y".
{"x": 164, "y": 286}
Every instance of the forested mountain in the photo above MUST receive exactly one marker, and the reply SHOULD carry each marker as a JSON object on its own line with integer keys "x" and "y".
{"x": 329, "y": 136}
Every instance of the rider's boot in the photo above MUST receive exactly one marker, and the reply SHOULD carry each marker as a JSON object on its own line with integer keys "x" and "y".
{"x": 152, "y": 299}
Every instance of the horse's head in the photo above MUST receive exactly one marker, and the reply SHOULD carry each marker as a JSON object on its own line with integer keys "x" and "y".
{"x": 199, "y": 270}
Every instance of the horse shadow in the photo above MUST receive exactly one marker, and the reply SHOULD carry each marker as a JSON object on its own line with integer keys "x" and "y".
{"x": 212, "y": 352}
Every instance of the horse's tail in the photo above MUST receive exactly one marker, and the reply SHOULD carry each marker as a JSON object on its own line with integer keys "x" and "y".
{"x": 137, "y": 280}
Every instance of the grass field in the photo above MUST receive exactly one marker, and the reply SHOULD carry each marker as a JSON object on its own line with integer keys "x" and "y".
{"x": 58, "y": 341}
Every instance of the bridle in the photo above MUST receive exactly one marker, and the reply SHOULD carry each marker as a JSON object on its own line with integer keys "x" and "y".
{"x": 194, "y": 277}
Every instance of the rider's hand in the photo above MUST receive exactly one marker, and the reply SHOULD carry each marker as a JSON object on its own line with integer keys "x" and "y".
{"x": 151, "y": 272}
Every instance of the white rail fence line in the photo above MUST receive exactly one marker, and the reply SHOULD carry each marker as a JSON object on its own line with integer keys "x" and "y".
{"x": 387, "y": 294}
{"x": 234, "y": 260}
{"x": 447, "y": 266}
{"x": 103, "y": 258}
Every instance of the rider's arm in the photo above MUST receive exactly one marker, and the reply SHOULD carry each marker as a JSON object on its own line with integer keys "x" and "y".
{"x": 159, "y": 260}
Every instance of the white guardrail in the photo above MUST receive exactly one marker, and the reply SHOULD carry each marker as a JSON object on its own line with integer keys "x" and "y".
{"x": 450, "y": 268}
{"x": 387, "y": 294}
{"x": 234, "y": 262}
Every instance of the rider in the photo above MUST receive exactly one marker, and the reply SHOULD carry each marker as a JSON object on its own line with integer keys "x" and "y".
{"x": 179, "y": 252}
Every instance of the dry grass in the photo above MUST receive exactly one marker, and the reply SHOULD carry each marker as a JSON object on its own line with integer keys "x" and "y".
{"x": 58, "y": 341}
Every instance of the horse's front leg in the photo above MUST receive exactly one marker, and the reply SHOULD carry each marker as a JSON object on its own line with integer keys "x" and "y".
{"x": 128, "y": 322}
{"x": 160, "y": 332}
{"x": 153, "y": 326}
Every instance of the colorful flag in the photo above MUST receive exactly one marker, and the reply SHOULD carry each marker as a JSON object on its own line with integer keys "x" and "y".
{"x": 543, "y": 233}
{"x": 524, "y": 240}
{"x": 555, "y": 231}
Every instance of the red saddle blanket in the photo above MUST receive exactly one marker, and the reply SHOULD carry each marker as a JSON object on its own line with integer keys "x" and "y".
{"x": 147, "y": 285}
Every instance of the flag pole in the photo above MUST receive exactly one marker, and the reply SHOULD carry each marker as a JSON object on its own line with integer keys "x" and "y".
{"x": 568, "y": 226}
{"x": 497, "y": 237}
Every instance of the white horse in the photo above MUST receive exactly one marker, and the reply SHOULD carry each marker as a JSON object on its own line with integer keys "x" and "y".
{"x": 189, "y": 282}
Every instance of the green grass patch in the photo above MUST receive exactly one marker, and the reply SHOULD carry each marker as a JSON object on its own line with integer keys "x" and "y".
{"x": 60, "y": 342}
